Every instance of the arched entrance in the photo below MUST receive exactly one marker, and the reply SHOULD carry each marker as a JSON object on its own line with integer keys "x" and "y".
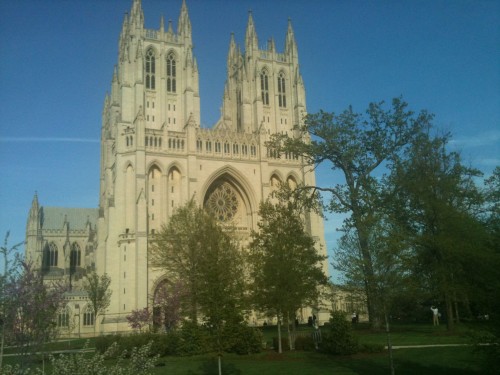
{"x": 167, "y": 305}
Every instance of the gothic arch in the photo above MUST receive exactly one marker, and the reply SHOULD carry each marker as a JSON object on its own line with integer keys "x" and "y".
{"x": 278, "y": 174}
{"x": 292, "y": 178}
{"x": 230, "y": 198}
{"x": 174, "y": 187}
{"x": 126, "y": 166}
{"x": 175, "y": 164}
{"x": 155, "y": 164}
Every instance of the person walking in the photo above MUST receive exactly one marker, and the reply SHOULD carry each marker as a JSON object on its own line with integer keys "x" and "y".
{"x": 435, "y": 315}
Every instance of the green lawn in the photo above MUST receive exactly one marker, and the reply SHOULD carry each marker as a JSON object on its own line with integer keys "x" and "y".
{"x": 439, "y": 360}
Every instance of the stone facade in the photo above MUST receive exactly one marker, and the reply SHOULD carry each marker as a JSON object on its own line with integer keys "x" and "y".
{"x": 155, "y": 156}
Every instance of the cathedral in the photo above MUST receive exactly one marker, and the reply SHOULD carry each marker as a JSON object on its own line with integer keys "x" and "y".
{"x": 155, "y": 157}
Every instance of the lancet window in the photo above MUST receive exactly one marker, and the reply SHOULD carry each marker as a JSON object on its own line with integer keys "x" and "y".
{"x": 51, "y": 255}
{"x": 264, "y": 87}
{"x": 150, "y": 69}
{"x": 76, "y": 256}
{"x": 281, "y": 90}
{"x": 63, "y": 317}
{"x": 171, "y": 73}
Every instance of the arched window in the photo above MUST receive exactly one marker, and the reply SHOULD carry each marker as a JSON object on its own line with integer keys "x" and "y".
{"x": 75, "y": 256}
{"x": 88, "y": 317}
{"x": 171, "y": 73}
{"x": 281, "y": 90}
{"x": 150, "y": 69}
{"x": 264, "y": 87}
{"x": 51, "y": 255}
{"x": 63, "y": 317}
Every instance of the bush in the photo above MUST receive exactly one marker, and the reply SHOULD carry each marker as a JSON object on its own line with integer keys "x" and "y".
{"x": 338, "y": 338}
{"x": 80, "y": 364}
{"x": 161, "y": 344}
{"x": 242, "y": 339}
{"x": 284, "y": 343}
{"x": 304, "y": 343}
{"x": 194, "y": 339}
{"x": 103, "y": 343}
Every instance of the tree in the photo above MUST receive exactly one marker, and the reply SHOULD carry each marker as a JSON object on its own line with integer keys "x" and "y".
{"x": 436, "y": 204}
{"x": 98, "y": 293}
{"x": 31, "y": 309}
{"x": 285, "y": 267}
{"x": 359, "y": 148}
{"x": 167, "y": 305}
{"x": 193, "y": 249}
{"x": 139, "y": 318}
{"x": 10, "y": 263}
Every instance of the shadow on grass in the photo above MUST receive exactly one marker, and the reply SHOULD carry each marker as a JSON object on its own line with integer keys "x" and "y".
{"x": 211, "y": 367}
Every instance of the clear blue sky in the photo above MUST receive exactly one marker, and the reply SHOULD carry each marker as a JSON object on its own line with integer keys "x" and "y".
{"x": 57, "y": 58}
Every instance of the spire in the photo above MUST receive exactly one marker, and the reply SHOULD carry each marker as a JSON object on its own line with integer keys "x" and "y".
{"x": 162, "y": 24}
{"x": 35, "y": 207}
{"x": 170, "y": 29}
{"x": 251, "y": 41}
{"x": 271, "y": 46}
{"x": 184, "y": 24}
{"x": 232, "y": 52}
{"x": 137, "y": 15}
{"x": 290, "y": 43}
{"x": 115, "y": 75}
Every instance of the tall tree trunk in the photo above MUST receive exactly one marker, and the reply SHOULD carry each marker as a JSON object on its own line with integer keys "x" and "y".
{"x": 449, "y": 312}
{"x": 369, "y": 276}
{"x": 279, "y": 334}
{"x": 389, "y": 343}
{"x": 290, "y": 344}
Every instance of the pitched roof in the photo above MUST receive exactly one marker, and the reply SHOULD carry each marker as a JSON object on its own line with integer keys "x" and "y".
{"x": 54, "y": 217}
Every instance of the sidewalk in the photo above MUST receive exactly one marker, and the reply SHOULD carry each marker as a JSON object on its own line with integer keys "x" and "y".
{"x": 424, "y": 346}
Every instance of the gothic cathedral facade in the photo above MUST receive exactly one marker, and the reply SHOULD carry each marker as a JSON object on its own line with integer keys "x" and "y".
{"x": 155, "y": 157}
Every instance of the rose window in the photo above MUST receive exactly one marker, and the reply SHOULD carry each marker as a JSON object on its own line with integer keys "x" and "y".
{"x": 223, "y": 203}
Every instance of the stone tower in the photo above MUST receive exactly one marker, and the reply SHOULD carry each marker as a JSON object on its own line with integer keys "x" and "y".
{"x": 155, "y": 156}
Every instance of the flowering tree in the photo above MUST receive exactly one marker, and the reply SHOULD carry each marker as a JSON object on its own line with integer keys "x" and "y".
{"x": 140, "y": 318}
{"x": 10, "y": 262}
{"x": 168, "y": 302}
{"x": 30, "y": 310}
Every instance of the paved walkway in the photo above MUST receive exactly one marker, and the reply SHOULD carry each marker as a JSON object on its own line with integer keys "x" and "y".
{"x": 424, "y": 346}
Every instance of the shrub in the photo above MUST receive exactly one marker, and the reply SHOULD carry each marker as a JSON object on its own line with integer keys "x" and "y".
{"x": 193, "y": 339}
{"x": 338, "y": 337}
{"x": 242, "y": 339}
{"x": 140, "y": 363}
{"x": 103, "y": 343}
{"x": 304, "y": 343}
{"x": 284, "y": 343}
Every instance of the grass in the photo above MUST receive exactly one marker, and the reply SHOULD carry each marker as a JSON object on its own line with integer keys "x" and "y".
{"x": 443, "y": 361}
{"x": 439, "y": 360}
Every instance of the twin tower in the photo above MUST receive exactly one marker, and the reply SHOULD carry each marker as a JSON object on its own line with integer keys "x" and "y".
{"x": 155, "y": 157}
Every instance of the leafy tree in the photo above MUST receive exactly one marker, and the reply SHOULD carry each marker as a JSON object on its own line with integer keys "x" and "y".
{"x": 98, "y": 293}
{"x": 195, "y": 250}
{"x": 436, "y": 204}
{"x": 286, "y": 268}
{"x": 358, "y": 147}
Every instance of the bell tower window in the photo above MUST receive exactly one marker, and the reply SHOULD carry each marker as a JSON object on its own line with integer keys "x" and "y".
{"x": 281, "y": 90}
{"x": 264, "y": 87}
{"x": 150, "y": 69}
{"x": 171, "y": 73}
